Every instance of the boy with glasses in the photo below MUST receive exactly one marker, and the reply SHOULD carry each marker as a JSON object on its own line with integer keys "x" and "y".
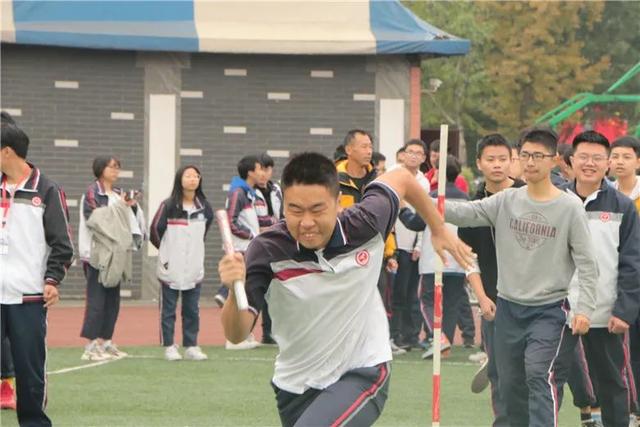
{"x": 536, "y": 226}
{"x": 614, "y": 224}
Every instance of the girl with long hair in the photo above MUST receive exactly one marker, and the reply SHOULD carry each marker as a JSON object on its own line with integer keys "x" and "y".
{"x": 178, "y": 231}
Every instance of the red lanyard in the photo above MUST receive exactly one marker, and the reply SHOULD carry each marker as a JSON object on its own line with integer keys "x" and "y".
{"x": 6, "y": 203}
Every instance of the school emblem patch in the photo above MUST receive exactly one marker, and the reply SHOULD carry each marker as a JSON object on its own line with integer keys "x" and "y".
{"x": 36, "y": 201}
{"x": 362, "y": 257}
{"x": 605, "y": 217}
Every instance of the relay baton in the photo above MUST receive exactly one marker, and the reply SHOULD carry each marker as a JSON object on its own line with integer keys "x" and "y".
{"x": 227, "y": 244}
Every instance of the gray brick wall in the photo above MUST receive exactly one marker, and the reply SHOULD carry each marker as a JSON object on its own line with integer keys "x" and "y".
{"x": 271, "y": 125}
{"x": 110, "y": 81}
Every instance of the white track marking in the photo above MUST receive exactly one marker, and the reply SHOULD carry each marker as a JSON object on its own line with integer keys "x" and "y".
{"x": 79, "y": 367}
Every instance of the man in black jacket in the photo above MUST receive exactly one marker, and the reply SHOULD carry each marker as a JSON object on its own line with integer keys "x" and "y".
{"x": 34, "y": 238}
{"x": 493, "y": 160}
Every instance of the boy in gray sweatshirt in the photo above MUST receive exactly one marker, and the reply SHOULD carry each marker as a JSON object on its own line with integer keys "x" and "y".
{"x": 542, "y": 238}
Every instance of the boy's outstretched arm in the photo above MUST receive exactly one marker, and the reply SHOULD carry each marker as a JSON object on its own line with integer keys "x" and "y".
{"x": 408, "y": 188}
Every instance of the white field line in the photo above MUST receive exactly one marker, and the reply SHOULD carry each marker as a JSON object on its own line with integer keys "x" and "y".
{"x": 233, "y": 359}
{"x": 79, "y": 367}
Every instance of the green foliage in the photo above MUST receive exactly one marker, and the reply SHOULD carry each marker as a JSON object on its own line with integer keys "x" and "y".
{"x": 461, "y": 100}
{"x": 537, "y": 59}
{"x": 525, "y": 59}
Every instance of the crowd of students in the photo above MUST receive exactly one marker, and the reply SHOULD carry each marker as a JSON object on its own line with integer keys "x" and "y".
{"x": 556, "y": 308}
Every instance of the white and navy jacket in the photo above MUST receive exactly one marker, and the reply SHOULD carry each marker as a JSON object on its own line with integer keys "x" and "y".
{"x": 179, "y": 236}
{"x": 272, "y": 194}
{"x": 327, "y": 313}
{"x": 615, "y": 229}
{"x": 40, "y": 246}
{"x": 247, "y": 212}
{"x": 94, "y": 198}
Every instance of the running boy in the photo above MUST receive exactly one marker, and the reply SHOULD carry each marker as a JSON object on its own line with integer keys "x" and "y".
{"x": 318, "y": 272}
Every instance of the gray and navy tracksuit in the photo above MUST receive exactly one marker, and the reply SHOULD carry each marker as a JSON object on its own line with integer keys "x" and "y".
{"x": 482, "y": 241}
{"x": 179, "y": 236}
{"x": 328, "y": 317}
{"x": 40, "y": 252}
{"x": 539, "y": 246}
{"x": 102, "y": 304}
{"x": 615, "y": 226}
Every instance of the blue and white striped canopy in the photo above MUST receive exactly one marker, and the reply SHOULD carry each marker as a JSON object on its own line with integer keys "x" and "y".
{"x": 321, "y": 27}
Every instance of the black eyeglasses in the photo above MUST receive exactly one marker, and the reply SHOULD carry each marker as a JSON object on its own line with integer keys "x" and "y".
{"x": 537, "y": 156}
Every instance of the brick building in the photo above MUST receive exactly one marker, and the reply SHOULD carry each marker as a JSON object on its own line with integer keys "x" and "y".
{"x": 164, "y": 83}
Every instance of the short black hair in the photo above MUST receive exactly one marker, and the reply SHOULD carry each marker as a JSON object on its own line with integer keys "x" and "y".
{"x": 266, "y": 161}
{"x": 311, "y": 169}
{"x": 351, "y": 135}
{"x": 100, "y": 163}
{"x": 377, "y": 157}
{"x": 543, "y": 135}
{"x": 6, "y": 118}
{"x": 435, "y": 145}
{"x": 13, "y": 137}
{"x": 492, "y": 140}
{"x": 453, "y": 168}
{"x": 629, "y": 142}
{"x": 566, "y": 151}
{"x": 246, "y": 165}
{"x": 400, "y": 150}
{"x": 418, "y": 142}
{"x": 591, "y": 137}
{"x": 339, "y": 153}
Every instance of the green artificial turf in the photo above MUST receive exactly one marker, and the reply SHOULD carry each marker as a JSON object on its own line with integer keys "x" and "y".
{"x": 232, "y": 389}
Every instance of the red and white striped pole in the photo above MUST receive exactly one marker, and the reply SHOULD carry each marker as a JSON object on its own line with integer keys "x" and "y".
{"x": 437, "y": 300}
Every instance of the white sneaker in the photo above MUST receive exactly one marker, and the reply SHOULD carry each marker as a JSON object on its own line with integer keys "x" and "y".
{"x": 171, "y": 353}
{"x": 94, "y": 356}
{"x": 194, "y": 353}
{"x": 247, "y": 344}
{"x": 478, "y": 357}
{"x": 112, "y": 350}
{"x": 445, "y": 345}
{"x": 94, "y": 353}
{"x": 395, "y": 350}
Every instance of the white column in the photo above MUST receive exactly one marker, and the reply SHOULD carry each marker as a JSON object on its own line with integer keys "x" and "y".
{"x": 392, "y": 127}
{"x": 162, "y": 153}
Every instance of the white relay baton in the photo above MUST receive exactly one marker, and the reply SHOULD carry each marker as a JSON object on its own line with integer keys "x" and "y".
{"x": 227, "y": 244}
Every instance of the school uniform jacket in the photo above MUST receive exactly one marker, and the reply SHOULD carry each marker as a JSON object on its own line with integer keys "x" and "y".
{"x": 327, "y": 314}
{"x": 40, "y": 246}
{"x": 179, "y": 235}
{"x": 615, "y": 229}
{"x": 247, "y": 212}
{"x": 94, "y": 198}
